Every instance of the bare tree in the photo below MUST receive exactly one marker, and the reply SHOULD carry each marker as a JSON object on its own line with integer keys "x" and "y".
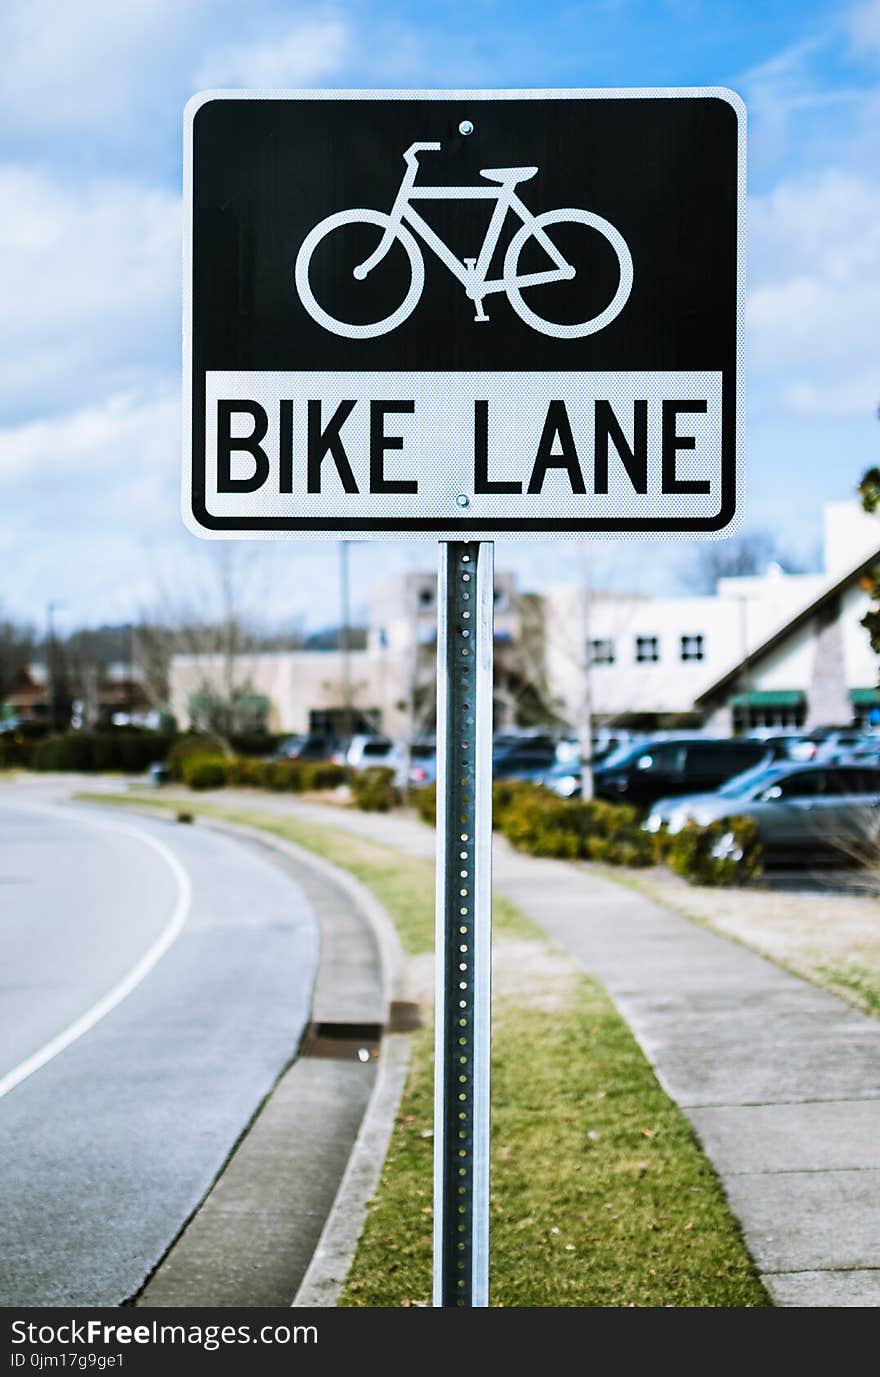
{"x": 738, "y": 557}
{"x": 214, "y": 624}
{"x": 152, "y": 649}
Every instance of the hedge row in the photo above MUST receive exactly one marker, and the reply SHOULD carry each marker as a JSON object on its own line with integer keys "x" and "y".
{"x": 17, "y": 747}
{"x": 132, "y": 752}
{"x": 201, "y": 771}
{"x": 127, "y": 749}
{"x": 723, "y": 853}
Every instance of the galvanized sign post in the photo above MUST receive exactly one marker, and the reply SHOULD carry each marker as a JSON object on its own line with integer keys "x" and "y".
{"x": 462, "y": 999}
{"x": 458, "y": 316}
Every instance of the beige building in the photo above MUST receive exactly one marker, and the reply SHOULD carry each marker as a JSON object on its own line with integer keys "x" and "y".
{"x": 774, "y": 650}
{"x": 292, "y": 690}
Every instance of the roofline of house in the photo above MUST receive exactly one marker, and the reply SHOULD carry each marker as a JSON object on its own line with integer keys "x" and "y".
{"x": 793, "y": 623}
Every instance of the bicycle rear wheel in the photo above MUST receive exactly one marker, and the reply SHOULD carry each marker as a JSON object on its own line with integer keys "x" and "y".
{"x": 511, "y": 272}
{"x": 336, "y": 224}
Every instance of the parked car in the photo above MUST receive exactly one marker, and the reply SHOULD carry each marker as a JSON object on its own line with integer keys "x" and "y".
{"x": 678, "y": 765}
{"x": 369, "y": 750}
{"x": 528, "y": 763}
{"x": 422, "y": 764}
{"x": 289, "y": 748}
{"x": 314, "y": 747}
{"x": 563, "y": 778}
{"x": 524, "y": 739}
{"x": 829, "y": 743}
{"x": 606, "y": 741}
{"x": 799, "y": 809}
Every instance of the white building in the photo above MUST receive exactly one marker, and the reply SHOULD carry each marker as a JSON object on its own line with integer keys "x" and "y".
{"x": 775, "y": 649}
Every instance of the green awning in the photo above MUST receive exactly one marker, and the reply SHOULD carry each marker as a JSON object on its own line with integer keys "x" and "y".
{"x": 865, "y": 698}
{"x": 769, "y": 698}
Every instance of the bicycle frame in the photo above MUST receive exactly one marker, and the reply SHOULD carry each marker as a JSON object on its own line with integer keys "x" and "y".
{"x": 471, "y": 273}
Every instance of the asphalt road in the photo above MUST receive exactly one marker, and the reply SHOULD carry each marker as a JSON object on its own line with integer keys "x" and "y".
{"x": 155, "y": 980}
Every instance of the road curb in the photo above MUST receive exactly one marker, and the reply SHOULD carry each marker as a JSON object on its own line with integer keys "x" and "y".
{"x": 333, "y": 1256}
{"x": 332, "y": 1259}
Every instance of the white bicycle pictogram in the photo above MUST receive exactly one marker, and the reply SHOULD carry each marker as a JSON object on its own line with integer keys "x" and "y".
{"x": 472, "y": 273}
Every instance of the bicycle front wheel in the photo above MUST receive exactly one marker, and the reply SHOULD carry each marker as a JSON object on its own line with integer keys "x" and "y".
{"x": 337, "y": 225}
{"x": 535, "y": 228}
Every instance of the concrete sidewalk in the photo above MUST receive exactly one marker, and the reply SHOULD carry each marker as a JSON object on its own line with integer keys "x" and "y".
{"x": 780, "y": 1080}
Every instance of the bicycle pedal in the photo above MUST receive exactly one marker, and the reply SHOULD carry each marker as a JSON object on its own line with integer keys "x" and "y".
{"x": 482, "y": 318}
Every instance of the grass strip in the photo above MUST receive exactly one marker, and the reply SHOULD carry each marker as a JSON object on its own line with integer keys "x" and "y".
{"x": 601, "y": 1195}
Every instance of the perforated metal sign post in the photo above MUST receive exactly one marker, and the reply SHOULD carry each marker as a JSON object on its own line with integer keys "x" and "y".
{"x": 462, "y": 999}
{"x": 455, "y": 316}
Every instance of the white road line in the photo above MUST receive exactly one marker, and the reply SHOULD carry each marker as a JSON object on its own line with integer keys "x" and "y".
{"x": 130, "y": 981}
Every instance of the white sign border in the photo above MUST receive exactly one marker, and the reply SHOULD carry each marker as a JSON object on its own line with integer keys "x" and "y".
{"x": 195, "y": 103}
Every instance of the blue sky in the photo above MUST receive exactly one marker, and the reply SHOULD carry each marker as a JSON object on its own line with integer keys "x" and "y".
{"x": 90, "y": 135}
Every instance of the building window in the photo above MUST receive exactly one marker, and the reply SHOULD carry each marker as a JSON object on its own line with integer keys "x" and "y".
{"x": 426, "y": 597}
{"x": 692, "y": 648}
{"x": 647, "y": 650}
{"x": 602, "y": 652}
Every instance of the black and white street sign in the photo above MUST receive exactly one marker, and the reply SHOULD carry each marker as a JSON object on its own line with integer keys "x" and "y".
{"x": 462, "y": 315}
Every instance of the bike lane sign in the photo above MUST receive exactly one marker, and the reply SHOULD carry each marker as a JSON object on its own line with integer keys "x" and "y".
{"x": 463, "y": 315}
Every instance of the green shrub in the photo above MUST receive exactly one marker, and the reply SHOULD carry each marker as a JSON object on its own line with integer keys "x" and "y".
{"x": 282, "y": 776}
{"x": 726, "y": 852}
{"x": 506, "y": 793}
{"x": 321, "y": 774}
{"x": 205, "y": 771}
{"x": 246, "y": 772}
{"x": 573, "y": 829}
{"x": 425, "y": 801}
{"x": 373, "y": 789}
{"x": 193, "y": 744}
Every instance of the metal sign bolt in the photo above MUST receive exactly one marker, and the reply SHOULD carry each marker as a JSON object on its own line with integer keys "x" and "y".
{"x": 465, "y": 127}
{"x": 462, "y": 500}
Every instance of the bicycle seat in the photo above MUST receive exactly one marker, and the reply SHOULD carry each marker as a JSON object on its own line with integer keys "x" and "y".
{"x": 510, "y": 175}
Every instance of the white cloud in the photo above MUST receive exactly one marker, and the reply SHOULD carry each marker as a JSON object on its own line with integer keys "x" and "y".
{"x": 864, "y": 27}
{"x": 128, "y": 445}
{"x": 814, "y": 303}
{"x": 84, "y": 494}
{"x": 306, "y": 52}
{"x": 82, "y": 64}
{"x": 90, "y": 285}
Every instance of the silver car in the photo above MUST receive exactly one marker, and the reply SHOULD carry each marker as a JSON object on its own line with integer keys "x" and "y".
{"x": 798, "y": 808}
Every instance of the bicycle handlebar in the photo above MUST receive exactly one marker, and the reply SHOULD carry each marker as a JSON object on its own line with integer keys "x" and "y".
{"x": 410, "y": 156}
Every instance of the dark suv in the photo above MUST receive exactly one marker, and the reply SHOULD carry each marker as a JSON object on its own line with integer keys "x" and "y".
{"x": 685, "y": 765}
